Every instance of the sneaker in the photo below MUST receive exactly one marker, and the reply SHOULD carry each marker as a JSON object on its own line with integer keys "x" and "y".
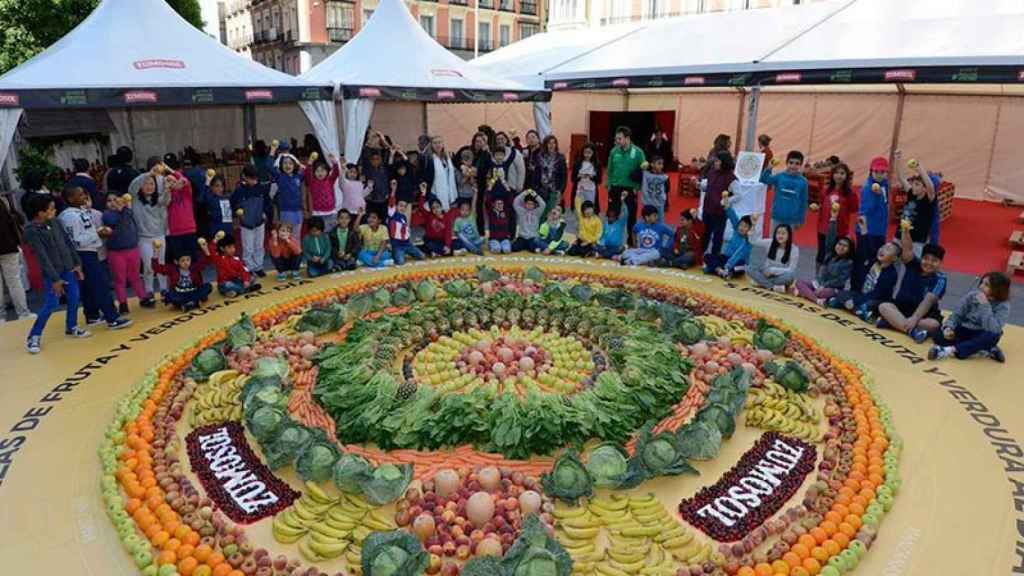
{"x": 260, "y": 273}
{"x": 255, "y": 287}
{"x": 147, "y": 302}
{"x": 779, "y": 288}
{"x": 282, "y": 276}
{"x": 882, "y": 324}
{"x": 459, "y": 252}
{"x": 119, "y": 324}
{"x": 230, "y": 294}
{"x": 940, "y": 352}
{"x": 122, "y": 309}
{"x": 33, "y": 345}
{"x": 77, "y": 332}
{"x": 996, "y": 353}
{"x": 295, "y": 275}
{"x": 27, "y": 316}
{"x": 919, "y": 335}
{"x": 820, "y": 302}
{"x": 93, "y": 321}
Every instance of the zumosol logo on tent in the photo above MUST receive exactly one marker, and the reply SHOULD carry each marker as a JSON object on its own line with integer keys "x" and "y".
{"x": 509, "y": 96}
{"x": 1020, "y": 76}
{"x": 369, "y": 92}
{"x": 786, "y": 78}
{"x": 259, "y": 95}
{"x": 9, "y": 100}
{"x": 446, "y": 95}
{"x": 564, "y": 85}
{"x": 900, "y": 75}
{"x": 158, "y": 63}
{"x": 693, "y": 81}
{"x": 140, "y": 96}
{"x": 620, "y": 82}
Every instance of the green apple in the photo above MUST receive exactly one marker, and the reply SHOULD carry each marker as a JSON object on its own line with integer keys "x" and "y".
{"x": 851, "y": 558}
{"x": 858, "y": 548}
{"x": 830, "y": 571}
{"x": 886, "y": 501}
{"x": 168, "y": 570}
{"x": 143, "y": 559}
{"x": 150, "y": 570}
{"x": 838, "y": 563}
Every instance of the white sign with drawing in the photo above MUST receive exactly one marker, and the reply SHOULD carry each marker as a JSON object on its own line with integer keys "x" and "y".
{"x": 749, "y": 166}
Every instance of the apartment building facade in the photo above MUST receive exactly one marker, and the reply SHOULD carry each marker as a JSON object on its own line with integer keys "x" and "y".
{"x": 237, "y": 25}
{"x": 576, "y": 14}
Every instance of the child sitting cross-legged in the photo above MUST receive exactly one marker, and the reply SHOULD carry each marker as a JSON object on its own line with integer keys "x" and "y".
{"x": 345, "y": 242}
{"x": 589, "y": 229}
{"x": 549, "y": 235}
{"x": 914, "y": 310}
{"x": 233, "y": 278}
{"x": 186, "y": 289}
{"x": 529, "y": 207}
{"x": 686, "y": 248}
{"x": 398, "y": 228}
{"x": 316, "y": 249}
{"x": 467, "y": 237}
{"x": 976, "y": 325}
{"x": 499, "y": 226}
{"x": 653, "y": 240}
{"x": 879, "y": 283}
{"x": 776, "y": 268}
{"x": 613, "y": 237}
{"x": 733, "y": 259}
{"x": 835, "y": 269}
{"x": 286, "y": 252}
{"x": 375, "y": 242}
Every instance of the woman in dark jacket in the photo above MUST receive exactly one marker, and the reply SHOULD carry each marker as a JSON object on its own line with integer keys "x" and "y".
{"x": 550, "y": 174}
{"x": 482, "y": 163}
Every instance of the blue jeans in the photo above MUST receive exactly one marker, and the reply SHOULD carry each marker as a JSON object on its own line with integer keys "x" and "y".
{"x": 231, "y": 286}
{"x": 713, "y": 262}
{"x": 500, "y": 246}
{"x": 193, "y": 297}
{"x": 314, "y": 270}
{"x": 52, "y": 302}
{"x": 608, "y": 251}
{"x": 464, "y": 242}
{"x": 969, "y": 342}
{"x": 402, "y": 247}
{"x": 366, "y": 257}
{"x": 96, "y": 290}
{"x": 435, "y": 247}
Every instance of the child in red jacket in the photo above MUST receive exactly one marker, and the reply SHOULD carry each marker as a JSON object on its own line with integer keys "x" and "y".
{"x": 688, "y": 242}
{"x": 437, "y": 224}
{"x": 233, "y": 278}
{"x": 185, "y": 286}
{"x": 286, "y": 252}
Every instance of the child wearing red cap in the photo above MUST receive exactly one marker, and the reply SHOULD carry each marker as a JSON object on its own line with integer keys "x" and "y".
{"x": 872, "y": 221}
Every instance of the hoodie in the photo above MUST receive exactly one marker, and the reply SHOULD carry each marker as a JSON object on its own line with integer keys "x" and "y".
{"x": 436, "y": 228}
{"x": 52, "y": 248}
{"x": 151, "y": 218}
{"x": 289, "y": 187}
{"x": 874, "y": 207}
{"x": 790, "y": 203}
{"x": 181, "y": 219}
{"x": 251, "y": 200}
{"x": 321, "y": 192}
{"x": 969, "y": 313}
{"x": 527, "y": 221}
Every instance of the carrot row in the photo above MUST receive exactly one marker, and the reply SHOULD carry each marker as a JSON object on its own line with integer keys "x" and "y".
{"x": 681, "y": 412}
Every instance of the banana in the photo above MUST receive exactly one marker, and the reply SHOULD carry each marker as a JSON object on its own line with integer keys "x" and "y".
{"x": 623, "y": 557}
{"x": 328, "y": 530}
{"x": 675, "y": 532}
{"x": 585, "y": 521}
{"x": 339, "y": 524}
{"x": 358, "y": 502}
{"x": 648, "y": 519}
{"x": 323, "y": 539}
{"x": 628, "y": 568}
{"x": 317, "y": 494}
{"x": 370, "y": 522}
{"x": 566, "y": 513}
{"x": 677, "y": 542}
{"x": 610, "y": 504}
{"x": 342, "y": 514}
{"x": 308, "y": 553}
{"x": 641, "y": 531}
{"x": 585, "y": 550}
{"x": 606, "y": 569}
{"x": 354, "y": 556}
{"x": 328, "y": 551}
{"x": 702, "y": 556}
{"x": 581, "y": 533}
{"x": 286, "y": 534}
{"x": 360, "y": 534}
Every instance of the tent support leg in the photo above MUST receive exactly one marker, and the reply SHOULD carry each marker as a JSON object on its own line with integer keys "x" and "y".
{"x": 752, "y": 105}
{"x": 898, "y": 123}
{"x": 992, "y": 150}
{"x": 739, "y": 120}
{"x": 131, "y": 129}
{"x": 426, "y": 126}
{"x": 249, "y": 123}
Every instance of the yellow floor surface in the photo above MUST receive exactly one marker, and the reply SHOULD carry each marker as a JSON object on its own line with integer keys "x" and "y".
{"x": 955, "y": 515}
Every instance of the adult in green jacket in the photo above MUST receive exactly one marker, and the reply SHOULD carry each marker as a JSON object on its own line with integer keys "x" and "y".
{"x": 624, "y": 163}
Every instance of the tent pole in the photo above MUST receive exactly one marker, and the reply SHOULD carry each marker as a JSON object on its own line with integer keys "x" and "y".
{"x": 992, "y": 150}
{"x": 131, "y": 129}
{"x": 752, "y": 105}
{"x": 898, "y": 123}
{"x": 739, "y": 120}
{"x": 249, "y": 124}
{"x": 426, "y": 128}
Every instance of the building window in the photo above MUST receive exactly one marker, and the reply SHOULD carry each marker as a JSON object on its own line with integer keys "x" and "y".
{"x": 504, "y": 35}
{"x": 528, "y": 7}
{"x": 427, "y": 22}
{"x": 456, "y": 30}
{"x": 367, "y": 14}
{"x": 484, "y": 35}
{"x": 527, "y": 30}
{"x": 340, "y": 21}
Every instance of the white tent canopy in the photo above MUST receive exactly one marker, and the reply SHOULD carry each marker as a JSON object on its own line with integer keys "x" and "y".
{"x": 393, "y": 58}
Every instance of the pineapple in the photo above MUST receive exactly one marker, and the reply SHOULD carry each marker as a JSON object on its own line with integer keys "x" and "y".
{"x": 513, "y": 316}
{"x": 458, "y": 321}
{"x": 472, "y": 320}
{"x": 406, "y": 390}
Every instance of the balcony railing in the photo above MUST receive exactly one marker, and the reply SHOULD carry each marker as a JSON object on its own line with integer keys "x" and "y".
{"x": 340, "y": 34}
{"x": 486, "y": 3}
{"x": 528, "y": 7}
{"x": 507, "y": 5}
{"x": 462, "y": 43}
{"x": 458, "y": 2}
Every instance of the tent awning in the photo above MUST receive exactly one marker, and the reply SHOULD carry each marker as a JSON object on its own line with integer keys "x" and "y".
{"x": 393, "y": 58}
{"x": 142, "y": 53}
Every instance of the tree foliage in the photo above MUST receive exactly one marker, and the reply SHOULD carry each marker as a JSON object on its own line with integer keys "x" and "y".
{"x": 27, "y": 27}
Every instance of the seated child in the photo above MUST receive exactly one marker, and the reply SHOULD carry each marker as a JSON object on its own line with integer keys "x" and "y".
{"x": 316, "y": 249}
{"x": 776, "y": 269}
{"x": 436, "y": 223}
{"x": 185, "y": 287}
{"x": 976, "y": 325}
{"x": 733, "y": 259}
{"x": 590, "y": 229}
{"x": 654, "y": 185}
{"x": 286, "y": 252}
{"x": 466, "y": 236}
{"x": 915, "y": 308}
{"x": 498, "y": 227}
{"x": 233, "y": 278}
{"x": 653, "y": 240}
{"x": 345, "y": 242}
{"x": 835, "y": 269}
{"x": 529, "y": 207}
{"x": 398, "y": 229}
{"x": 613, "y": 237}
{"x": 686, "y": 247}
{"x": 549, "y": 235}
{"x": 375, "y": 242}
{"x": 879, "y": 283}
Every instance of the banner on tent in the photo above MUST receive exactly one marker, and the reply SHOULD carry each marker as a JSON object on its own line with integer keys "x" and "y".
{"x": 143, "y": 96}
{"x": 415, "y": 94}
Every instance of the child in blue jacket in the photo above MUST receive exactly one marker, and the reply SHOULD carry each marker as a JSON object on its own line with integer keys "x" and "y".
{"x": 733, "y": 260}
{"x": 790, "y": 203}
{"x": 289, "y": 176}
{"x": 613, "y": 237}
{"x": 872, "y": 222}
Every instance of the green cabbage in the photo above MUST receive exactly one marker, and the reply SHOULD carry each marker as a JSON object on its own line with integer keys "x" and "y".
{"x": 403, "y": 297}
{"x": 381, "y": 299}
{"x": 387, "y": 483}
{"x": 267, "y": 395}
{"x": 660, "y": 455}
{"x": 568, "y": 480}
{"x": 719, "y": 416}
{"x": 358, "y": 306}
{"x": 536, "y": 553}
{"x": 553, "y": 291}
{"x": 582, "y": 292}
{"x": 534, "y": 274}
{"x": 284, "y": 449}
{"x": 395, "y": 553}
{"x": 265, "y": 421}
{"x": 482, "y": 566}
{"x": 350, "y": 471}
{"x": 242, "y": 333}
{"x": 616, "y": 298}
{"x": 769, "y": 337}
{"x": 689, "y": 332}
{"x": 486, "y": 274}
{"x": 699, "y": 441}
{"x": 792, "y": 376}
{"x": 458, "y": 288}
{"x": 316, "y": 462}
{"x": 207, "y": 362}
{"x": 608, "y": 466}
{"x": 270, "y": 367}
{"x": 426, "y": 291}
{"x": 320, "y": 321}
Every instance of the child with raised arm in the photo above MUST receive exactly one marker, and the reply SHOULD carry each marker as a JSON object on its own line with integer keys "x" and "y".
{"x": 345, "y": 242}
{"x": 789, "y": 205}
{"x": 59, "y": 264}
{"x": 249, "y": 202}
{"x": 733, "y": 259}
{"x": 872, "y": 221}
{"x": 613, "y": 237}
{"x": 320, "y": 183}
{"x": 316, "y": 249}
{"x": 151, "y": 216}
{"x": 286, "y": 252}
{"x": 437, "y": 224}
{"x": 976, "y": 325}
{"x": 220, "y": 216}
{"x": 921, "y": 204}
{"x": 878, "y": 286}
{"x": 589, "y": 229}
{"x": 835, "y": 269}
{"x": 776, "y": 268}
{"x": 549, "y": 235}
{"x": 353, "y": 191}
{"x": 529, "y": 207}
{"x": 655, "y": 185}
{"x": 915, "y": 308}
{"x": 399, "y": 229}
{"x": 187, "y": 290}
{"x": 839, "y": 203}
{"x": 123, "y": 254}
{"x": 233, "y": 278}
{"x": 653, "y": 240}
{"x": 287, "y": 173}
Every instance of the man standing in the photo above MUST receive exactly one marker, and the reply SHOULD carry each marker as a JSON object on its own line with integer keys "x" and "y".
{"x": 624, "y": 163}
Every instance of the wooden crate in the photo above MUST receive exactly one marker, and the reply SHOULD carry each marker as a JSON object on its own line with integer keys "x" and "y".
{"x": 1017, "y": 239}
{"x": 1015, "y": 263}
{"x": 687, "y": 182}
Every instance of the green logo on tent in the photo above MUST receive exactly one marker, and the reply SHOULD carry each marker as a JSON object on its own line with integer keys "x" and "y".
{"x": 965, "y": 75}
{"x": 74, "y": 98}
{"x": 739, "y": 80}
{"x": 656, "y": 82}
{"x": 311, "y": 94}
{"x": 202, "y": 96}
{"x": 841, "y": 76}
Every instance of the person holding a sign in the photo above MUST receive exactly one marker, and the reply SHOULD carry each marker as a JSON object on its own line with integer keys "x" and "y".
{"x": 717, "y": 185}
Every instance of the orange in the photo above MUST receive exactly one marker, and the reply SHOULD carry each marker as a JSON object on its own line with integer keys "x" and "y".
{"x": 185, "y": 551}
{"x": 812, "y": 566}
{"x": 764, "y": 569}
{"x": 132, "y": 505}
{"x": 160, "y": 538}
{"x": 792, "y": 559}
{"x": 842, "y": 539}
{"x": 187, "y": 566}
{"x": 222, "y": 569}
{"x": 166, "y": 557}
{"x": 236, "y": 573}
{"x": 853, "y": 520}
{"x": 215, "y": 559}
{"x": 202, "y": 570}
{"x": 856, "y": 509}
{"x": 807, "y": 540}
{"x": 801, "y": 551}
{"x": 202, "y": 552}
{"x": 829, "y": 527}
{"x": 846, "y": 529}
{"x": 193, "y": 538}
{"x": 780, "y": 567}
{"x": 173, "y": 544}
{"x": 181, "y": 532}
{"x": 818, "y": 534}
{"x": 831, "y": 547}
{"x": 819, "y": 554}
{"x": 833, "y": 516}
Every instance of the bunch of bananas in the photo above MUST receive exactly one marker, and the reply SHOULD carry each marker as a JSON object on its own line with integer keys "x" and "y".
{"x": 776, "y": 408}
{"x": 218, "y": 399}
{"x": 326, "y": 527}
{"x": 287, "y": 328}
{"x": 716, "y": 327}
{"x": 642, "y": 538}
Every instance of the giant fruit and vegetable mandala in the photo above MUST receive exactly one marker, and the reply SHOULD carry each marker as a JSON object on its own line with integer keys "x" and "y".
{"x": 506, "y": 421}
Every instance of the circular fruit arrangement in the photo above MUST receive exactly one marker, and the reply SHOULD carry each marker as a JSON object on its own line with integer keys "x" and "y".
{"x": 507, "y": 421}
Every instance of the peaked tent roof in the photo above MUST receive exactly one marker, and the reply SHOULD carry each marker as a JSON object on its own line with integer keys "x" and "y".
{"x": 872, "y": 41}
{"x": 141, "y": 52}
{"x": 393, "y": 58}
{"x": 694, "y": 50}
{"x": 527, "y": 60}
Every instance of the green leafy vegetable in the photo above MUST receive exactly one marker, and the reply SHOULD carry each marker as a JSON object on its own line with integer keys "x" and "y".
{"x": 242, "y": 333}
{"x": 381, "y": 299}
{"x": 265, "y": 421}
{"x": 608, "y": 466}
{"x": 792, "y": 376}
{"x": 395, "y": 553}
{"x": 350, "y": 472}
{"x": 534, "y": 274}
{"x": 699, "y": 441}
{"x": 582, "y": 292}
{"x": 689, "y": 332}
{"x": 206, "y": 363}
{"x": 487, "y": 274}
{"x": 387, "y": 483}
{"x": 320, "y": 321}
{"x": 284, "y": 449}
{"x": 568, "y": 480}
{"x": 769, "y": 337}
{"x": 482, "y": 566}
{"x": 458, "y": 288}
{"x": 403, "y": 297}
{"x": 660, "y": 455}
{"x": 426, "y": 291}
{"x": 316, "y": 462}
{"x": 721, "y": 417}
{"x": 270, "y": 367}
{"x": 536, "y": 553}
{"x": 358, "y": 306}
